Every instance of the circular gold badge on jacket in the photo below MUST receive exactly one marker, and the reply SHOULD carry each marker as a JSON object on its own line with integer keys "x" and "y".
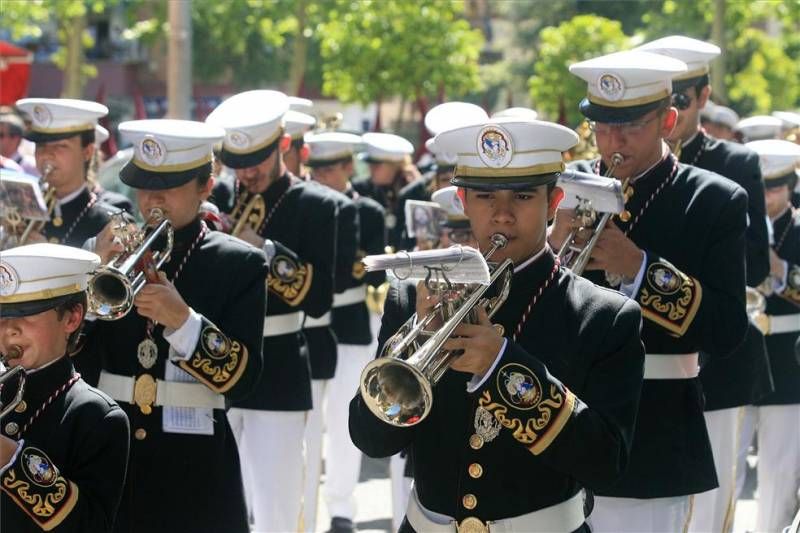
{"x": 476, "y": 442}
{"x": 475, "y": 470}
{"x": 469, "y": 501}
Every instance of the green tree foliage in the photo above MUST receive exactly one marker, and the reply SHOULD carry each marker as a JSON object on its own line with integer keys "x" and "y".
{"x": 762, "y": 72}
{"x": 767, "y": 79}
{"x": 552, "y": 87}
{"x": 25, "y": 18}
{"x": 374, "y": 50}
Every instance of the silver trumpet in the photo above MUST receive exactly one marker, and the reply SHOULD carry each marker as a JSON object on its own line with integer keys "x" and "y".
{"x": 398, "y": 386}
{"x": 113, "y": 286}
{"x": 586, "y": 212}
{"x": 7, "y": 375}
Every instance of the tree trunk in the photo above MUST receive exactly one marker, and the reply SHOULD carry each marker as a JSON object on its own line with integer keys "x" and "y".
{"x": 718, "y": 66}
{"x": 179, "y": 60}
{"x": 297, "y": 69}
{"x": 73, "y": 66}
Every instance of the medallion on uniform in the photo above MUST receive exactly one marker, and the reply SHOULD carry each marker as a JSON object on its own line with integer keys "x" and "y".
{"x": 35, "y": 484}
{"x": 669, "y": 297}
{"x": 289, "y": 279}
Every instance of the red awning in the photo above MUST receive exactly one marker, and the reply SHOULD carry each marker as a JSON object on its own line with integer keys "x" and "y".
{"x": 15, "y": 72}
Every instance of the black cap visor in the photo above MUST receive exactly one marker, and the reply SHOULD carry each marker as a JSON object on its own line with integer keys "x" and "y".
{"x": 20, "y": 309}
{"x": 139, "y": 178}
{"x": 495, "y": 183}
{"x": 616, "y": 115}
{"x": 248, "y": 160}
{"x": 42, "y": 137}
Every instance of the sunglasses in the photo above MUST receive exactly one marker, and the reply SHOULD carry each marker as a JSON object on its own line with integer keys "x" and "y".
{"x": 681, "y": 100}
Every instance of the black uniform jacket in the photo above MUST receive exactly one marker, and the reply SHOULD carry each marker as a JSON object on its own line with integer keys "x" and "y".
{"x": 301, "y": 279}
{"x": 70, "y": 472}
{"x": 81, "y": 218}
{"x": 321, "y": 338}
{"x": 781, "y": 346}
{"x": 692, "y": 299}
{"x": 748, "y": 366}
{"x": 181, "y": 482}
{"x": 561, "y": 402}
{"x": 351, "y": 322}
{"x": 389, "y": 198}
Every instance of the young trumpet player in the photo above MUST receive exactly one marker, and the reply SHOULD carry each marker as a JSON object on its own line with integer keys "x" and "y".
{"x": 677, "y": 249}
{"x": 64, "y": 446}
{"x": 190, "y": 347}
{"x": 64, "y": 133}
{"x": 540, "y": 406}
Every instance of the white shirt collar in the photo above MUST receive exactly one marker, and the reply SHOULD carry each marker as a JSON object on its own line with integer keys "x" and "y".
{"x": 522, "y": 266}
{"x": 71, "y": 196}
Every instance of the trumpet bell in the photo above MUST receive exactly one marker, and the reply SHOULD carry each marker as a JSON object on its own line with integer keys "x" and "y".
{"x": 112, "y": 293}
{"x": 113, "y": 286}
{"x": 396, "y": 392}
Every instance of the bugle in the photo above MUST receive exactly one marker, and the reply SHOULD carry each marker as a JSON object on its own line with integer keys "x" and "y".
{"x": 113, "y": 286}
{"x": 593, "y": 194}
{"x": 398, "y": 386}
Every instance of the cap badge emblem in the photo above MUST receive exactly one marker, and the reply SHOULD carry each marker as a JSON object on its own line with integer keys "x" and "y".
{"x": 239, "y": 140}
{"x": 611, "y": 87}
{"x": 41, "y": 115}
{"x": 152, "y": 151}
{"x": 494, "y": 146}
{"x": 9, "y": 280}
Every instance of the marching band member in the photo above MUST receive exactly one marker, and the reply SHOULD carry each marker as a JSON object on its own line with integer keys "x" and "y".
{"x": 190, "y": 348}
{"x": 777, "y": 415}
{"x": 297, "y": 230}
{"x": 64, "y": 447}
{"x": 748, "y": 366}
{"x": 64, "y": 133}
{"x": 541, "y": 405}
{"x": 678, "y": 249}
{"x": 331, "y": 163}
{"x": 388, "y": 157}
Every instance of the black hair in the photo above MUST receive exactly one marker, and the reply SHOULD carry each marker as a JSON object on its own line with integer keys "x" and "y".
{"x": 87, "y": 138}
{"x": 77, "y": 301}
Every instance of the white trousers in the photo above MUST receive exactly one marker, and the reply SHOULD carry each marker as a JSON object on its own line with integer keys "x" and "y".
{"x": 343, "y": 459}
{"x": 715, "y": 509}
{"x": 747, "y": 431}
{"x": 312, "y": 437}
{"x": 633, "y": 515}
{"x": 271, "y": 450}
{"x": 401, "y": 488}
{"x": 778, "y": 428}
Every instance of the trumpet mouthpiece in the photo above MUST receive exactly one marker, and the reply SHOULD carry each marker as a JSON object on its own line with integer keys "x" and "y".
{"x": 617, "y": 158}
{"x": 14, "y": 352}
{"x": 499, "y": 240}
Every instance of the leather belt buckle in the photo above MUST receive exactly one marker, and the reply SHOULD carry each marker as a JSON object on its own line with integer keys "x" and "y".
{"x": 144, "y": 393}
{"x": 472, "y": 525}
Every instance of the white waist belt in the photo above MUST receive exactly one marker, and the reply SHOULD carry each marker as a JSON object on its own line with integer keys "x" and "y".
{"x": 283, "y": 324}
{"x": 311, "y": 322}
{"x": 783, "y": 324}
{"x": 565, "y": 516}
{"x": 350, "y": 296}
{"x": 168, "y": 393}
{"x": 671, "y": 366}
